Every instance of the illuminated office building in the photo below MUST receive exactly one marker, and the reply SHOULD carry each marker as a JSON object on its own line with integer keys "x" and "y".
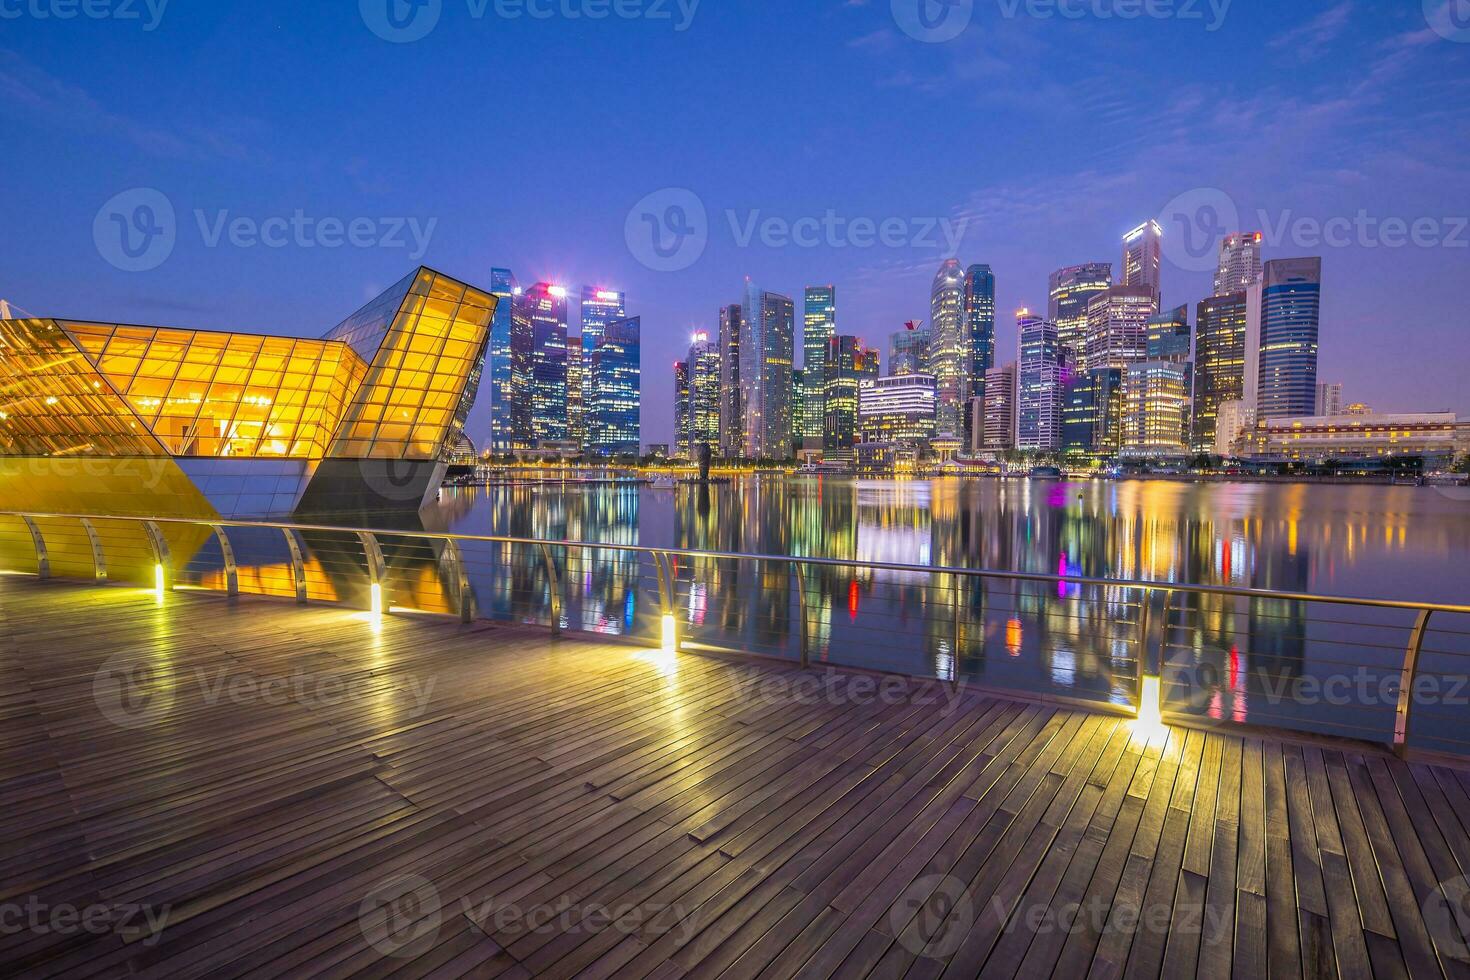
{"x": 1291, "y": 306}
{"x": 1038, "y": 385}
{"x": 578, "y": 384}
{"x": 897, "y": 409}
{"x": 848, "y": 364}
{"x": 732, "y": 405}
{"x": 979, "y": 327}
{"x": 949, "y": 344}
{"x": 544, "y": 307}
{"x": 1070, "y": 291}
{"x": 1117, "y": 326}
{"x": 1092, "y": 417}
{"x": 1329, "y": 398}
{"x": 1000, "y": 408}
{"x": 908, "y": 352}
{"x": 510, "y": 369}
{"x": 201, "y": 423}
{"x": 818, "y": 328}
{"x": 1168, "y": 337}
{"x": 1240, "y": 263}
{"x": 1436, "y": 436}
{"x": 617, "y": 390}
{"x": 704, "y": 393}
{"x": 767, "y": 349}
{"x": 600, "y": 306}
{"x": 1220, "y": 364}
{"x": 1156, "y": 408}
{"x": 683, "y": 410}
{"x": 1143, "y": 253}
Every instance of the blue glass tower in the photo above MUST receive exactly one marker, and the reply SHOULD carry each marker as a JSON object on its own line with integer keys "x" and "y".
{"x": 1291, "y": 306}
{"x": 617, "y": 390}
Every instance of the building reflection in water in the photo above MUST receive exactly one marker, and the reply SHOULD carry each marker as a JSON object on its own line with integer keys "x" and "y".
{"x": 1224, "y": 657}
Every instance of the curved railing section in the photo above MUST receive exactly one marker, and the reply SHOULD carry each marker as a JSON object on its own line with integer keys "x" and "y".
{"x": 1376, "y": 670}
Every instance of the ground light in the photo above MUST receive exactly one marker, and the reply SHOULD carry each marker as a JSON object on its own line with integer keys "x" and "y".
{"x": 158, "y": 580}
{"x": 670, "y": 634}
{"x": 1150, "y": 715}
{"x": 377, "y": 599}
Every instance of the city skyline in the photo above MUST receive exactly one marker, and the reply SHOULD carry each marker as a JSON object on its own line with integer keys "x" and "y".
{"x": 1287, "y": 141}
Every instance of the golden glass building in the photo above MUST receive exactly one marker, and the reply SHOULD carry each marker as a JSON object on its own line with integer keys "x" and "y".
{"x": 101, "y": 418}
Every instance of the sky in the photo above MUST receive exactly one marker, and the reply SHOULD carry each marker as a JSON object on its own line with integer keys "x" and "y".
{"x": 274, "y": 164}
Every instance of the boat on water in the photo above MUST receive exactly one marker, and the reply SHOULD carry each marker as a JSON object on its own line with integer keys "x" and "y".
{"x": 1046, "y": 473}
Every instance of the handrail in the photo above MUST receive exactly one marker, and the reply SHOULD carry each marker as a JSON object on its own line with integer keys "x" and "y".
{"x": 1038, "y": 577}
{"x": 1152, "y": 626}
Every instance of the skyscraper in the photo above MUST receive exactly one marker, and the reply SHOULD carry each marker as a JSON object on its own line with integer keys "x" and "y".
{"x": 510, "y": 369}
{"x": 819, "y": 326}
{"x": 1070, "y": 290}
{"x": 1291, "y": 306}
{"x": 908, "y": 352}
{"x": 847, "y": 365}
{"x": 897, "y": 409}
{"x": 683, "y": 410}
{"x": 1038, "y": 385}
{"x": 1000, "y": 408}
{"x": 1156, "y": 408}
{"x": 1220, "y": 364}
{"x": 1168, "y": 336}
{"x": 578, "y": 384}
{"x": 704, "y": 393}
{"x": 732, "y": 405}
{"x": 545, "y": 308}
{"x": 617, "y": 389}
{"x": 599, "y": 307}
{"x": 1093, "y": 414}
{"x": 1143, "y": 253}
{"x": 1240, "y": 263}
{"x": 1329, "y": 399}
{"x": 1117, "y": 326}
{"x": 980, "y": 326}
{"x": 949, "y": 346}
{"x": 767, "y": 349}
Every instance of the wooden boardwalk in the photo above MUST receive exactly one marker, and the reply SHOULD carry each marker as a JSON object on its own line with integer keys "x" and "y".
{"x": 204, "y": 788}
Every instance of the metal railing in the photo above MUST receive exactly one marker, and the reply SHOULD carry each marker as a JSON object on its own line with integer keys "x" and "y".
{"x": 1073, "y": 639}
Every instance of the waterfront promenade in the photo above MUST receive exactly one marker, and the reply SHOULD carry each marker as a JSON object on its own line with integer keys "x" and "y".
{"x": 197, "y": 786}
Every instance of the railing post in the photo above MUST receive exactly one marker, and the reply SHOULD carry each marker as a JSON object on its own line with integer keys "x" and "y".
{"x": 99, "y": 565}
{"x": 1407, "y": 680}
{"x": 461, "y": 579}
{"x": 43, "y": 561}
{"x": 377, "y": 571}
{"x": 164, "y": 571}
{"x": 667, "y": 594}
{"x": 298, "y": 566}
{"x": 802, "y": 607}
{"x": 958, "y": 612}
{"x": 1144, "y": 604}
{"x": 232, "y": 571}
{"x": 554, "y": 584}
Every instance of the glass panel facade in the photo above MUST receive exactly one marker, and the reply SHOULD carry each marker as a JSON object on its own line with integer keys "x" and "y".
{"x": 53, "y": 404}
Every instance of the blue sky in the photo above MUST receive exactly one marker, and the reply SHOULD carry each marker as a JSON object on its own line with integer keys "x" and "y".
{"x": 526, "y": 142}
